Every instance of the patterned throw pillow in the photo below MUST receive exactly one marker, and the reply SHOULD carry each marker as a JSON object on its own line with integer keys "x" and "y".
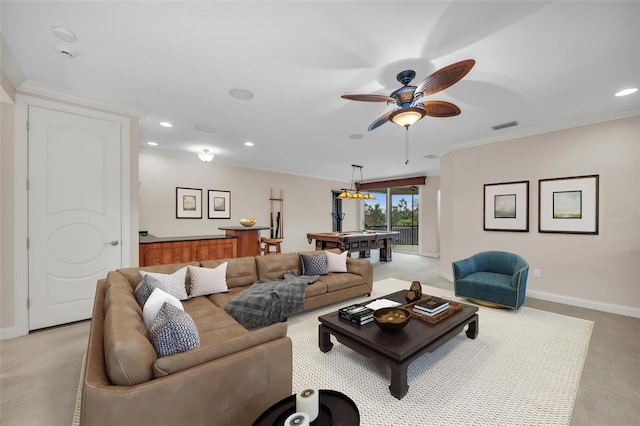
{"x": 337, "y": 262}
{"x": 154, "y": 304}
{"x": 208, "y": 280}
{"x": 144, "y": 289}
{"x": 173, "y": 331}
{"x": 314, "y": 264}
{"x": 174, "y": 284}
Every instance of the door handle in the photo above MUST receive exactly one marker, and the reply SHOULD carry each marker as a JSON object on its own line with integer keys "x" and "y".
{"x": 112, "y": 243}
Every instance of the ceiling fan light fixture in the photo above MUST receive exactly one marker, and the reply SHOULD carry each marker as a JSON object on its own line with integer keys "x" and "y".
{"x": 407, "y": 116}
{"x": 205, "y": 155}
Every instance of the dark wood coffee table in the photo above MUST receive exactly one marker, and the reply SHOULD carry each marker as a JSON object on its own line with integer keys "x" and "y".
{"x": 398, "y": 348}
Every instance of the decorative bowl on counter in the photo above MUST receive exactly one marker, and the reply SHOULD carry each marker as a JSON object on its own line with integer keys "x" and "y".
{"x": 391, "y": 319}
{"x": 247, "y": 222}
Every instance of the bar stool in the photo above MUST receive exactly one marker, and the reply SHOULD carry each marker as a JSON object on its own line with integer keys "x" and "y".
{"x": 269, "y": 243}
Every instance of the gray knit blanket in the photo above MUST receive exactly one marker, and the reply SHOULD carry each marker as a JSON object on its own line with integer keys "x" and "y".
{"x": 267, "y": 302}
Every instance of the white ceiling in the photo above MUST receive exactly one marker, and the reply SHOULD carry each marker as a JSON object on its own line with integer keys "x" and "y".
{"x": 546, "y": 64}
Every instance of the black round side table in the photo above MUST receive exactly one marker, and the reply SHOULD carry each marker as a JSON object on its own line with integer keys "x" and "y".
{"x": 336, "y": 409}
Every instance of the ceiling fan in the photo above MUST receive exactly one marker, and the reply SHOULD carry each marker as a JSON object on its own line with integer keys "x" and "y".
{"x": 411, "y": 102}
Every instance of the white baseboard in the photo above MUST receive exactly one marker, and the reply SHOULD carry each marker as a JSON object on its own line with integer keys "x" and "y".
{"x": 8, "y": 333}
{"x": 584, "y": 303}
{"x": 627, "y": 311}
{"x": 434, "y": 255}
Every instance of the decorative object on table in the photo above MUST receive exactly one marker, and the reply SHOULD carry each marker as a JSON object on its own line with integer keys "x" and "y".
{"x": 219, "y": 204}
{"x": 248, "y": 222}
{"x": 297, "y": 419}
{"x": 506, "y": 206}
{"x": 414, "y": 293}
{"x": 454, "y": 307}
{"x": 569, "y": 205}
{"x": 391, "y": 319}
{"x": 357, "y": 314}
{"x": 188, "y": 203}
{"x": 431, "y": 306}
{"x": 492, "y": 278}
{"x": 308, "y": 401}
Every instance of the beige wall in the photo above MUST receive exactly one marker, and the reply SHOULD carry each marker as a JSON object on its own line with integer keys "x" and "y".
{"x": 307, "y": 201}
{"x": 589, "y": 270}
{"x": 429, "y": 217}
{"x": 7, "y": 137}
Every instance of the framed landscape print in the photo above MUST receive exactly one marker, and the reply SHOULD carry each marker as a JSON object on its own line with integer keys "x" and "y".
{"x": 506, "y": 206}
{"x": 219, "y": 204}
{"x": 188, "y": 203}
{"x": 568, "y": 205}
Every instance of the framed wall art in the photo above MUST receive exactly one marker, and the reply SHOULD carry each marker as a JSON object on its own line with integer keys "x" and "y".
{"x": 568, "y": 205}
{"x": 188, "y": 203}
{"x": 219, "y": 204}
{"x": 506, "y": 206}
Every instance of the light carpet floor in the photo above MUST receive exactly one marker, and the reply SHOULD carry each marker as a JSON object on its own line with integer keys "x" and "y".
{"x": 523, "y": 369}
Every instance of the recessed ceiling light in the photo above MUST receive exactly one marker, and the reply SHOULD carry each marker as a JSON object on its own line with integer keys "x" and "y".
{"x": 241, "y": 94}
{"x": 356, "y": 136}
{"x": 166, "y": 124}
{"x": 626, "y": 92}
{"x": 248, "y": 143}
{"x": 152, "y": 143}
{"x": 64, "y": 34}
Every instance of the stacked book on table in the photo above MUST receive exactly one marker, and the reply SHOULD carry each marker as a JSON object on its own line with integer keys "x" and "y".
{"x": 357, "y": 314}
{"x": 431, "y": 306}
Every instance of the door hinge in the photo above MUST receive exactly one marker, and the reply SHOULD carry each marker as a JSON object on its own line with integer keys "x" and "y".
{"x": 28, "y": 302}
{"x": 28, "y": 184}
{"x": 27, "y": 244}
{"x": 27, "y": 125}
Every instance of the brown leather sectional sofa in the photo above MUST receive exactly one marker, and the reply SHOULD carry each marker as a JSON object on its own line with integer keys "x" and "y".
{"x": 230, "y": 379}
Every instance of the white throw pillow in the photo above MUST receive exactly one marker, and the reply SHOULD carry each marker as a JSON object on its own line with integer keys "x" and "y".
{"x": 154, "y": 304}
{"x": 174, "y": 284}
{"x": 337, "y": 262}
{"x": 208, "y": 280}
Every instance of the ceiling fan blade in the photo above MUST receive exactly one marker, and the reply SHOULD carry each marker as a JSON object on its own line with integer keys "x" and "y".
{"x": 369, "y": 98}
{"x": 380, "y": 121}
{"x": 439, "y": 109}
{"x": 445, "y": 77}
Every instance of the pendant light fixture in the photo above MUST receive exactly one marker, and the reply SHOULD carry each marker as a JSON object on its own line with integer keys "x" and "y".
{"x": 353, "y": 193}
{"x": 205, "y": 155}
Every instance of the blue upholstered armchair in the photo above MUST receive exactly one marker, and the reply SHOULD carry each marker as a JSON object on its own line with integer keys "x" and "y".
{"x": 494, "y": 278}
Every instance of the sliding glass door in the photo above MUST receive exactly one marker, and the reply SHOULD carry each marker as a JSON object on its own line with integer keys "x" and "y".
{"x": 395, "y": 209}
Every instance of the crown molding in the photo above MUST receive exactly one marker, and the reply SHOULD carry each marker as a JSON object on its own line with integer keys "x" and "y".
{"x": 34, "y": 88}
{"x": 562, "y": 125}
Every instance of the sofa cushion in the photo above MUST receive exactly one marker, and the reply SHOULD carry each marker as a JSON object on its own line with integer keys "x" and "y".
{"x": 337, "y": 262}
{"x": 144, "y": 289}
{"x": 173, "y": 331}
{"x": 336, "y": 282}
{"x": 206, "y": 281}
{"x": 314, "y": 264}
{"x": 133, "y": 274}
{"x": 241, "y": 271}
{"x": 128, "y": 353}
{"x": 273, "y": 266}
{"x": 155, "y": 302}
{"x": 174, "y": 283}
{"x": 218, "y": 344}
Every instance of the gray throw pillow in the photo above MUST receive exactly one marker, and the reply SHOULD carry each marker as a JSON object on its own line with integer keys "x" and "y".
{"x": 144, "y": 289}
{"x": 173, "y": 331}
{"x": 174, "y": 284}
{"x": 314, "y": 265}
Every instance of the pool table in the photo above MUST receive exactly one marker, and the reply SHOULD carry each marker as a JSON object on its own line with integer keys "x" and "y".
{"x": 357, "y": 241}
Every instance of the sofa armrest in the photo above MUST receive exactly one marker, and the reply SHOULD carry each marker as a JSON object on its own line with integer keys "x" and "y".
{"x": 462, "y": 268}
{"x": 361, "y": 267}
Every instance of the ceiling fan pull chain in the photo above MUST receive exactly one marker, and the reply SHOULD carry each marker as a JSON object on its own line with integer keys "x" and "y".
{"x": 406, "y": 146}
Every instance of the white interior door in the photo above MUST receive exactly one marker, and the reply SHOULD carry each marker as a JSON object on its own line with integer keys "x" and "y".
{"x": 75, "y": 213}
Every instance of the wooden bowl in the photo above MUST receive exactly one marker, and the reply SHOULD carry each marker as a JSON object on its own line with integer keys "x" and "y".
{"x": 247, "y": 223}
{"x": 391, "y": 319}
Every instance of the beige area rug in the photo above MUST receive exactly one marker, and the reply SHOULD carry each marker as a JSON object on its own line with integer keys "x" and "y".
{"x": 523, "y": 369}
